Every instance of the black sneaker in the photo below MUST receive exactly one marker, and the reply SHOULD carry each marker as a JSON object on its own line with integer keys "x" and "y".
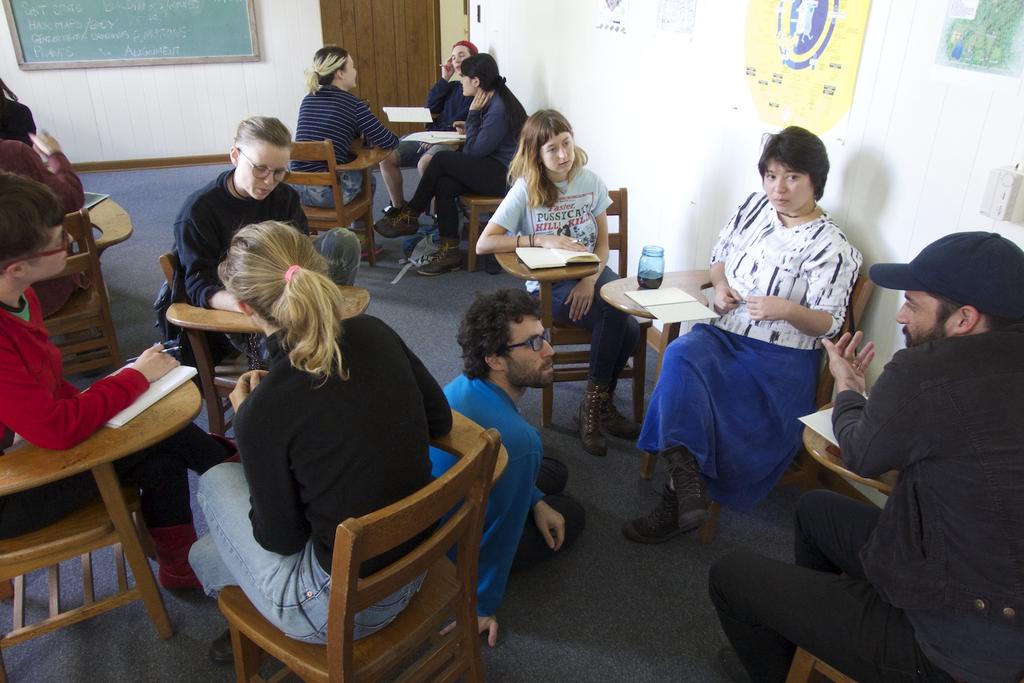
{"x": 660, "y": 524}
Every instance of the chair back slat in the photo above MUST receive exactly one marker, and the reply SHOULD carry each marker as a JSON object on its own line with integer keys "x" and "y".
{"x": 320, "y": 151}
{"x": 619, "y": 240}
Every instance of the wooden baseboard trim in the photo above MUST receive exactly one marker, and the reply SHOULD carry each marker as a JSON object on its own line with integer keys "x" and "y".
{"x": 159, "y": 162}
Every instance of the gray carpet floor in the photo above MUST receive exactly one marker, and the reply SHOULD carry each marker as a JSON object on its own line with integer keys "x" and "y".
{"x": 606, "y": 610}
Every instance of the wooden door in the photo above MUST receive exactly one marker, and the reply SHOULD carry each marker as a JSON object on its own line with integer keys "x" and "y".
{"x": 396, "y": 47}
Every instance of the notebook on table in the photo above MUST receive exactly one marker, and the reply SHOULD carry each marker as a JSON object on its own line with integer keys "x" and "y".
{"x": 671, "y": 305}
{"x": 544, "y": 257}
{"x": 157, "y": 390}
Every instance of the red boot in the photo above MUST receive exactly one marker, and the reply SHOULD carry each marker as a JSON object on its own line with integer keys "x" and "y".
{"x": 172, "y": 546}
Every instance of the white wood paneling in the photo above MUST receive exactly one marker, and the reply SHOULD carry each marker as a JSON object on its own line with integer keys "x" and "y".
{"x": 171, "y": 110}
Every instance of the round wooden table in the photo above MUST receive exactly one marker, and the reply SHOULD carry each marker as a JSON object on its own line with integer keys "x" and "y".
{"x": 827, "y": 455}
{"x": 690, "y": 281}
{"x": 112, "y": 222}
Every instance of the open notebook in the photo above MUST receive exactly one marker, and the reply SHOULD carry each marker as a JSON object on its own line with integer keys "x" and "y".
{"x": 437, "y": 137}
{"x": 543, "y": 257}
{"x": 671, "y": 305}
{"x": 157, "y": 390}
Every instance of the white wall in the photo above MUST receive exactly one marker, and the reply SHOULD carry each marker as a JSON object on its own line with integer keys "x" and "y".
{"x": 671, "y": 119}
{"x": 166, "y": 111}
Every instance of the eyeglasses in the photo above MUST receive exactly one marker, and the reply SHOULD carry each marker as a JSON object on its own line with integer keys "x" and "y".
{"x": 262, "y": 172}
{"x": 65, "y": 240}
{"x": 536, "y": 342}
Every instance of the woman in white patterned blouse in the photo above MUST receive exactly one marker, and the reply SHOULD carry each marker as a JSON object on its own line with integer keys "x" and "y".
{"x": 724, "y": 412}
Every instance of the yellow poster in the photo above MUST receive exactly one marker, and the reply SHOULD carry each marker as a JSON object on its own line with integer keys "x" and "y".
{"x": 802, "y": 58}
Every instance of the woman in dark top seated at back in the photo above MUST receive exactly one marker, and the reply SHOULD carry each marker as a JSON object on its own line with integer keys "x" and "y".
{"x": 337, "y": 428}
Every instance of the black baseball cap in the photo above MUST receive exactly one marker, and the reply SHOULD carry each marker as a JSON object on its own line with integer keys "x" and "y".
{"x": 980, "y": 269}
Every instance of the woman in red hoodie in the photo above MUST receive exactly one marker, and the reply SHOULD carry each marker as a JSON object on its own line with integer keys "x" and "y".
{"x": 40, "y": 406}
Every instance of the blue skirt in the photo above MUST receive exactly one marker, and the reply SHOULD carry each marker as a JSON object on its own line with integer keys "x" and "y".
{"x": 733, "y": 402}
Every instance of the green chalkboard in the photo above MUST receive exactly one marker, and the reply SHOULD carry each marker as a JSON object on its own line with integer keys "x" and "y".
{"x": 88, "y": 33}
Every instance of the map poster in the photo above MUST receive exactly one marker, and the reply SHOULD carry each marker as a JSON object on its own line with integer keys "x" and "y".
{"x": 985, "y": 36}
{"x": 802, "y": 58}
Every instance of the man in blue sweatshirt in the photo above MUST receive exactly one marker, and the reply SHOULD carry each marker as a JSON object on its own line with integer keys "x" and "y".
{"x": 505, "y": 351}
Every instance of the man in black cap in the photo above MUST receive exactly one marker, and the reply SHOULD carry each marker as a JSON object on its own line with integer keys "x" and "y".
{"x": 931, "y": 587}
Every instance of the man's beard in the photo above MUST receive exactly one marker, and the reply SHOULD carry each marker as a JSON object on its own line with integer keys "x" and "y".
{"x": 937, "y": 331}
{"x": 535, "y": 379}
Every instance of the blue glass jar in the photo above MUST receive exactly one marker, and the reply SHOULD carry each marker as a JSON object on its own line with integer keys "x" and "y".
{"x": 652, "y": 267}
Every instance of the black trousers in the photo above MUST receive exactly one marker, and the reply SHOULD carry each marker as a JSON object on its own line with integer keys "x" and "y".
{"x": 823, "y": 603}
{"x": 551, "y": 480}
{"x": 160, "y": 472}
{"x": 451, "y": 174}
{"x": 613, "y": 334}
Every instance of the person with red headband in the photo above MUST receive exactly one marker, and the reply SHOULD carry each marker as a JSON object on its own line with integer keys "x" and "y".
{"x": 448, "y": 106}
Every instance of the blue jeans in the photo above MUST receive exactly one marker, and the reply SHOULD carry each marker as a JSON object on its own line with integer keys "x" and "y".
{"x": 290, "y": 591}
{"x": 320, "y": 195}
{"x": 613, "y": 334}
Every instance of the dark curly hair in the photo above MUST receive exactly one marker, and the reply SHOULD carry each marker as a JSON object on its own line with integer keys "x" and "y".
{"x": 484, "y": 330}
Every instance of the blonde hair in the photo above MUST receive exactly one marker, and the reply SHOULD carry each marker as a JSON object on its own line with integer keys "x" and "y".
{"x": 263, "y": 129}
{"x": 528, "y": 164}
{"x": 307, "y": 307}
{"x": 326, "y": 61}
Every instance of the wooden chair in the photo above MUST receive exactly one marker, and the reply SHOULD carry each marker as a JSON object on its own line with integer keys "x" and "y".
{"x": 77, "y": 535}
{"x": 107, "y": 521}
{"x": 411, "y": 642}
{"x": 216, "y": 381}
{"x": 477, "y": 204}
{"x": 807, "y": 668}
{"x": 361, "y": 206}
{"x": 83, "y": 328}
{"x": 572, "y": 365}
{"x": 805, "y": 470}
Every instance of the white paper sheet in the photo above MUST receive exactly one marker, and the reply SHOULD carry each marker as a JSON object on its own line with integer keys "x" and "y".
{"x": 821, "y": 422}
{"x": 408, "y": 114}
{"x": 682, "y": 312}
{"x": 657, "y": 297}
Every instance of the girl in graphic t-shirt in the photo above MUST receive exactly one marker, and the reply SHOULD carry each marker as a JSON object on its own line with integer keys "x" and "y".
{"x": 556, "y": 202}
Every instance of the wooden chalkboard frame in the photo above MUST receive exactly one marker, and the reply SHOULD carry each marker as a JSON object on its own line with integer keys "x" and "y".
{"x": 24, "y": 65}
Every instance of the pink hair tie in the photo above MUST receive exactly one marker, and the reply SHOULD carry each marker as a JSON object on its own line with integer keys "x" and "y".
{"x": 291, "y": 271}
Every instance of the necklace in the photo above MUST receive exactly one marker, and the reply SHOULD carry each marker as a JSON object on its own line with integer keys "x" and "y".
{"x": 814, "y": 208}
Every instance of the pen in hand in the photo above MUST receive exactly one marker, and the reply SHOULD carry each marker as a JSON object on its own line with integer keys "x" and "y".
{"x": 170, "y": 346}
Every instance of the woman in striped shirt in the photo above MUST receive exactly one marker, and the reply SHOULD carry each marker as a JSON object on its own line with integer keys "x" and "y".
{"x": 724, "y": 412}
{"x": 331, "y": 112}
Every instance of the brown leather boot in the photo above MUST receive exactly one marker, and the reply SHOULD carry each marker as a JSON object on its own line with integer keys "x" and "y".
{"x": 691, "y": 494}
{"x": 615, "y": 423}
{"x": 588, "y": 420}
{"x": 446, "y": 259}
